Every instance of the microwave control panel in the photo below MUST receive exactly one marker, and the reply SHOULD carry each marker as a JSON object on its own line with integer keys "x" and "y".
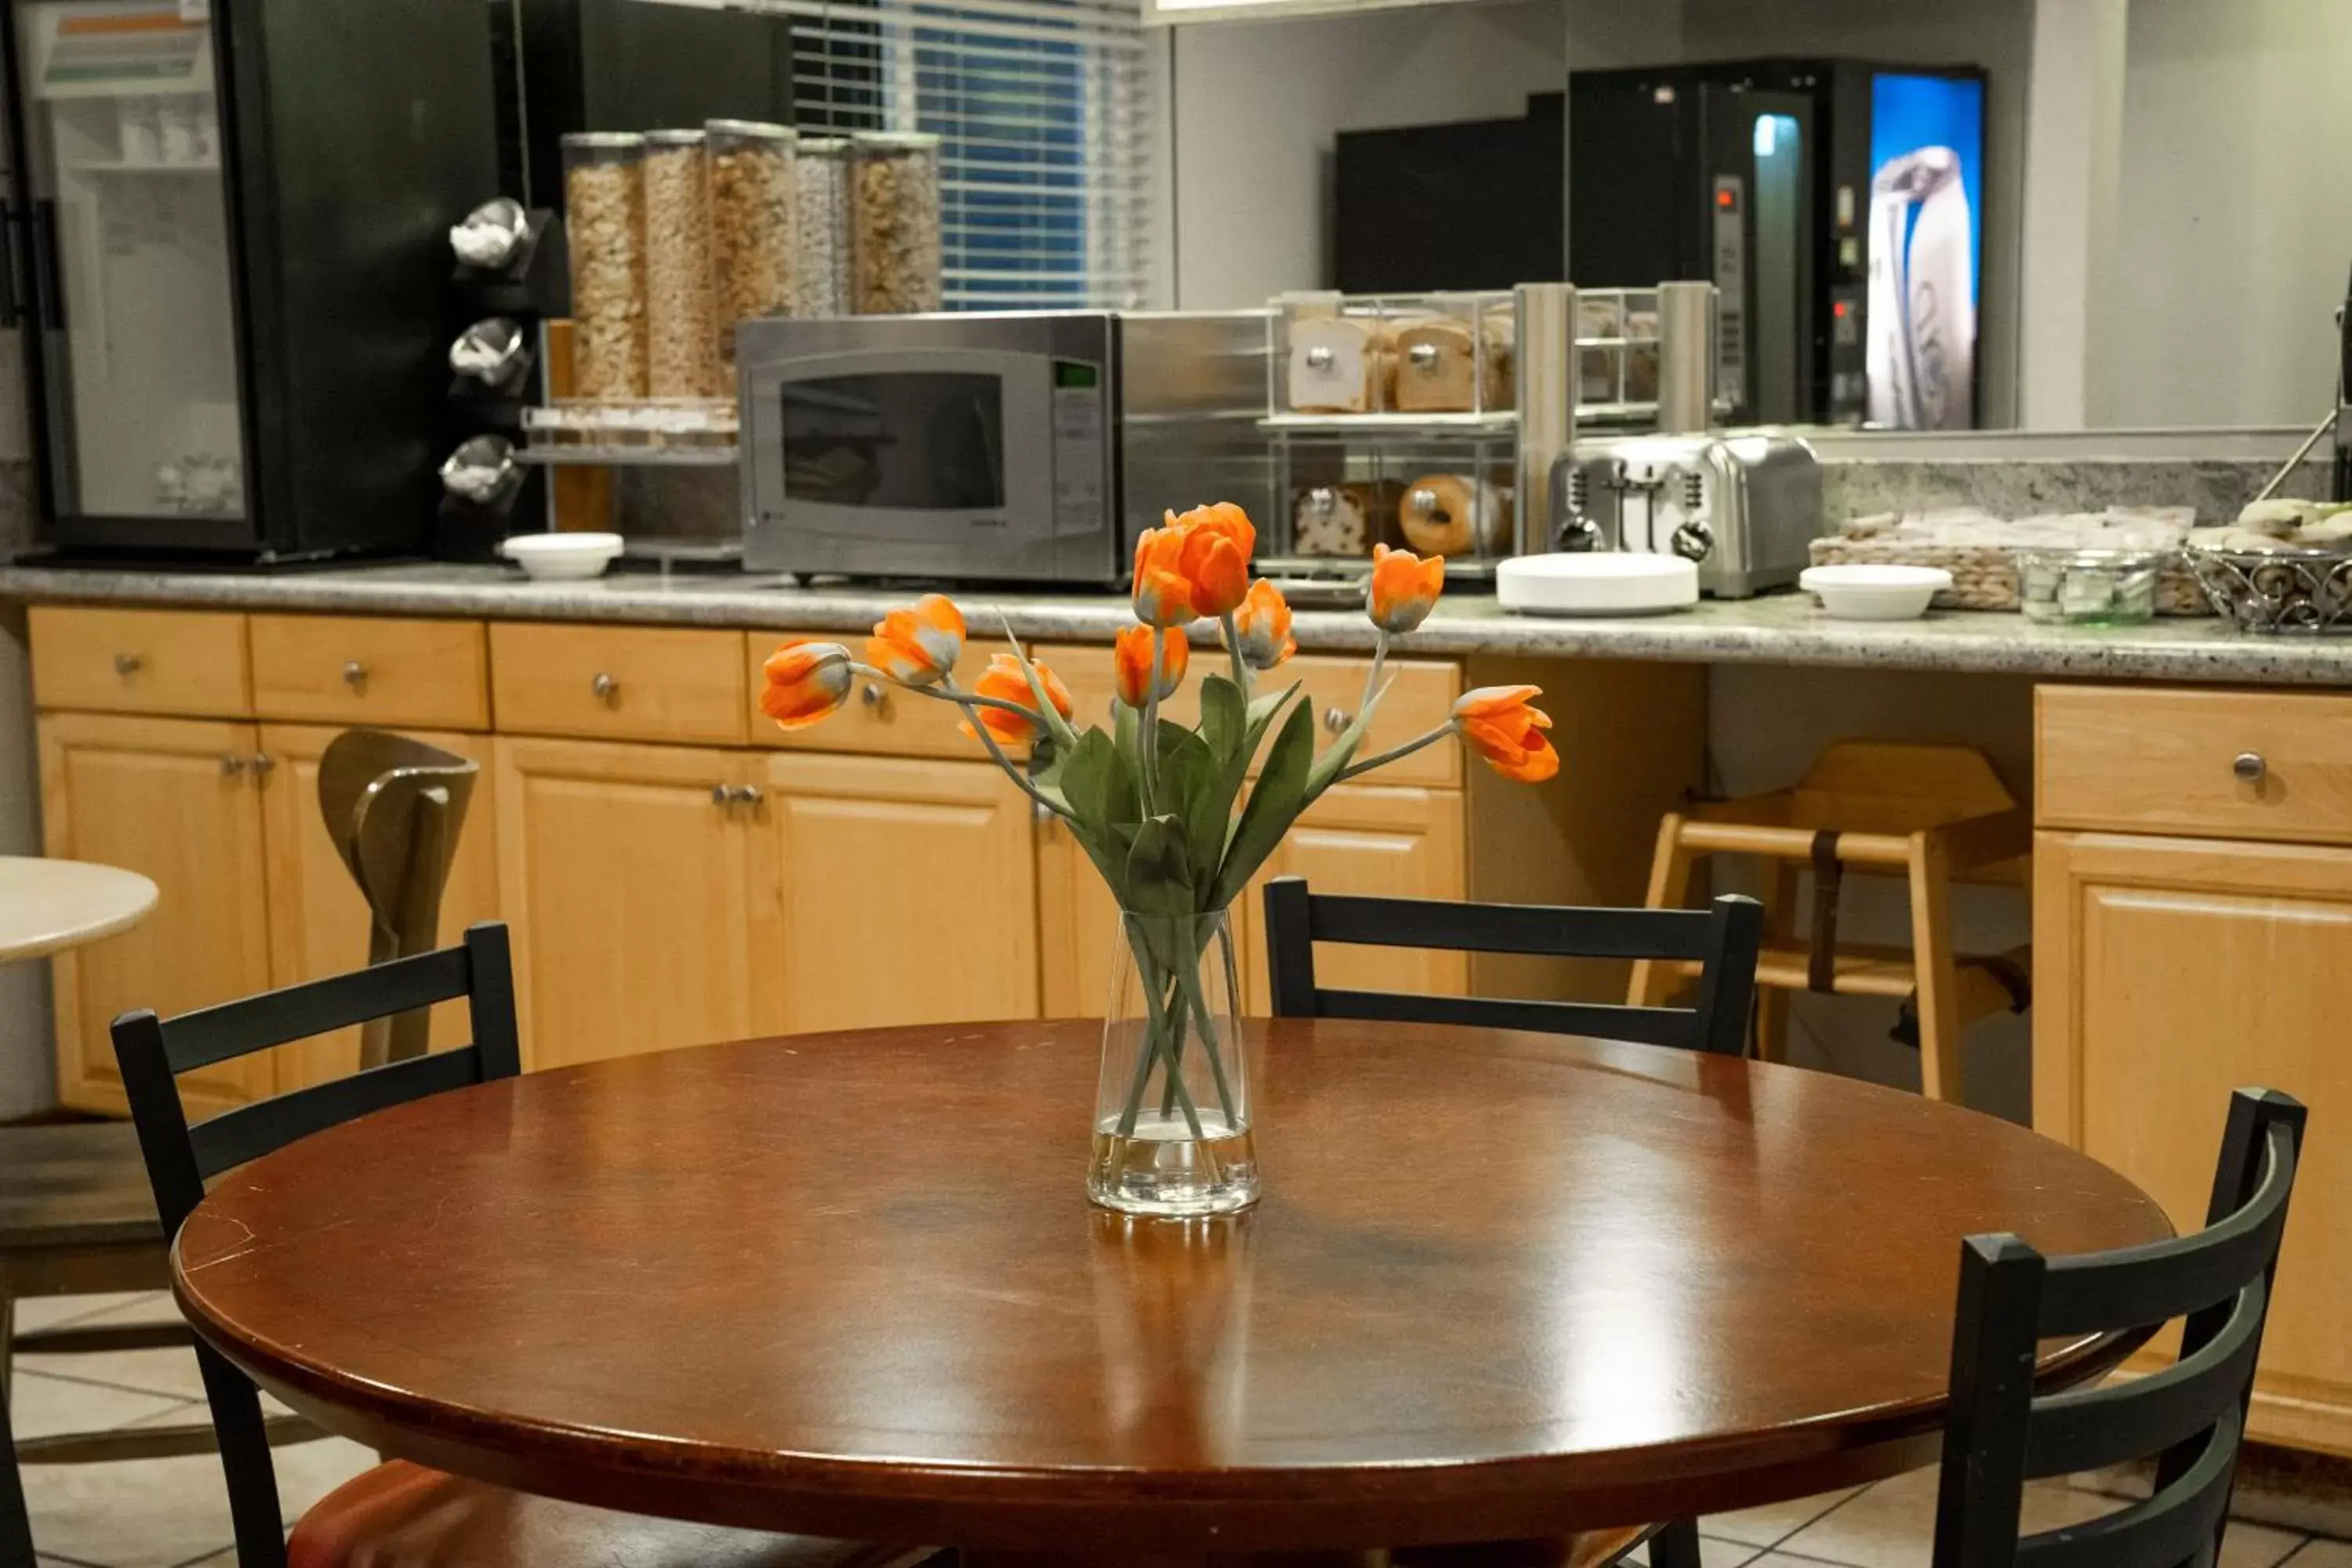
{"x": 1080, "y": 476}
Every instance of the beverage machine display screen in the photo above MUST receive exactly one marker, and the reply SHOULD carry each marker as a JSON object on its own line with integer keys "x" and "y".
{"x": 1926, "y": 242}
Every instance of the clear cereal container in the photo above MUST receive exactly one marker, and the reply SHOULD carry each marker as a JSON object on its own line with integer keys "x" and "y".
{"x": 754, "y": 200}
{"x": 894, "y": 203}
{"x": 605, "y": 218}
{"x": 821, "y": 226}
{"x": 681, "y": 295}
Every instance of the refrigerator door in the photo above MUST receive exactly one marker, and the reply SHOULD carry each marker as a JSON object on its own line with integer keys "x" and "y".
{"x": 129, "y": 237}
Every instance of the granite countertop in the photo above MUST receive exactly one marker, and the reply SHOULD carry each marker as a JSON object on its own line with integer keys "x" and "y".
{"x": 1781, "y": 628}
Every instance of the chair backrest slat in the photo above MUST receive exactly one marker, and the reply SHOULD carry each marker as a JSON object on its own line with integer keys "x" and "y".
{"x": 2091, "y": 1428}
{"x": 249, "y": 1131}
{"x": 1561, "y": 931}
{"x": 2169, "y": 1280}
{"x": 238, "y": 1028}
{"x": 2174, "y": 1528}
{"x": 2189, "y": 1417}
{"x": 1722, "y": 938}
{"x": 1675, "y": 1027}
{"x": 153, "y": 1052}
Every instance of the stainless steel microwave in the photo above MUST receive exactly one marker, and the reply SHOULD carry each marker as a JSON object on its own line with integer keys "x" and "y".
{"x": 1026, "y": 447}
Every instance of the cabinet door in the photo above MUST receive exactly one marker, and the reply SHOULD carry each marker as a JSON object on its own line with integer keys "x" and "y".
{"x": 909, "y": 893}
{"x": 177, "y": 800}
{"x": 1397, "y": 842}
{"x": 319, "y": 922}
{"x": 2168, "y": 972}
{"x": 637, "y": 892}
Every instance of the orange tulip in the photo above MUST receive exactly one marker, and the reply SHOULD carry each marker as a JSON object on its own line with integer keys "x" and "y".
{"x": 919, "y": 644}
{"x": 1131, "y": 657}
{"x": 1404, "y": 588}
{"x": 1196, "y": 564}
{"x": 804, "y": 682}
{"x": 1497, "y": 722}
{"x": 1262, "y": 627}
{"x": 1002, "y": 679}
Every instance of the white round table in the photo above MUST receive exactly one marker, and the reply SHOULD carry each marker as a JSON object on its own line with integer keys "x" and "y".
{"x": 46, "y": 905}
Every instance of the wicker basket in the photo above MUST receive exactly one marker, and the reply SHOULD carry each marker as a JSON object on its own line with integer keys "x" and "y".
{"x": 1985, "y": 576}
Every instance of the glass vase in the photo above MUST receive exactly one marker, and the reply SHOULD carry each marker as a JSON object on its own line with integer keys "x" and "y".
{"x": 1172, "y": 1116}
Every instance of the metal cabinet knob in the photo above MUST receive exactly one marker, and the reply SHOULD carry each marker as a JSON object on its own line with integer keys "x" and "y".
{"x": 747, "y": 794}
{"x": 720, "y": 794}
{"x": 1337, "y": 720}
{"x": 354, "y": 674}
{"x": 262, "y": 762}
{"x": 232, "y": 766}
{"x": 873, "y": 696}
{"x": 2250, "y": 767}
{"x": 606, "y": 689}
{"x": 126, "y": 664}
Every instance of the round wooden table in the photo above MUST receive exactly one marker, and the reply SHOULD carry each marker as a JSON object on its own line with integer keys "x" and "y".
{"x": 49, "y": 905}
{"x": 1501, "y": 1285}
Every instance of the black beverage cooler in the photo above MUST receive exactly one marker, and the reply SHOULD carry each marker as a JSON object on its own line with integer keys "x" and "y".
{"x": 228, "y": 232}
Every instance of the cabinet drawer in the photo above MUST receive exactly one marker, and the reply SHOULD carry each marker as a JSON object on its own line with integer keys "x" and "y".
{"x": 1334, "y": 685}
{"x": 879, "y": 720}
{"x": 140, "y": 661}
{"x": 361, "y": 670}
{"x": 2157, "y": 761}
{"x": 640, "y": 683}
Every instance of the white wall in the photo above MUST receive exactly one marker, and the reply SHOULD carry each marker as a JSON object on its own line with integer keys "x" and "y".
{"x": 1257, "y": 106}
{"x": 2236, "y": 229}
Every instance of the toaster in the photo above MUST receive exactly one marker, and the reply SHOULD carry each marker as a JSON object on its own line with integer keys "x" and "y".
{"x": 1745, "y": 507}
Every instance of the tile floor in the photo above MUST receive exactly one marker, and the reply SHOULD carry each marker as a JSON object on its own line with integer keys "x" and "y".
{"x": 171, "y": 1513}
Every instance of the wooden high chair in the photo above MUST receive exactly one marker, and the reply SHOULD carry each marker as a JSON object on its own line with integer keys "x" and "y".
{"x": 1927, "y": 812}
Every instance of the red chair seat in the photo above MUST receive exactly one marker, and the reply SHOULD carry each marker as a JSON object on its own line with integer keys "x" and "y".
{"x": 400, "y": 1515}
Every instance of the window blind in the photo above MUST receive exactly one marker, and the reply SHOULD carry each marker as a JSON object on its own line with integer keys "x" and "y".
{"x": 1046, "y": 123}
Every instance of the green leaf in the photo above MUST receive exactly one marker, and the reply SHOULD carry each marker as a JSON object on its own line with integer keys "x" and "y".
{"x": 1126, "y": 725}
{"x": 1273, "y": 804}
{"x": 1262, "y": 711}
{"x": 1099, "y": 783}
{"x": 1190, "y": 780}
{"x": 1334, "y": 758}
{"x": 1055, "y": 725}
{"x": 1224, "y": 716}
{"x": 1159, "y": 869}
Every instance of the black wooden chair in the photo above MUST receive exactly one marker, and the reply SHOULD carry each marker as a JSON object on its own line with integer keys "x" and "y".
{"x": 396, "y": 1513}
{"x": 1722, "y": 938}
{"x": 2190, "y": 1417}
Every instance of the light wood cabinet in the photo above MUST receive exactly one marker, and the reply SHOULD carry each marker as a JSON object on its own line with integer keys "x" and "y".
{"x": 909, "y": 893}
{"x": 359, "y": 669}
{"x": 641, "y": 885}
{"x": 140, "y": 661}
{"x": 318, "y": 921}
{"x": 2168, "y": 972}
{"x": 178, "y": 801}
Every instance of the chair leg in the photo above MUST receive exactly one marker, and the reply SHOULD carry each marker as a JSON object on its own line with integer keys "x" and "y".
{"x": 1675, "y": 1545}
{"x": 1670, "y": 879}
{"x": 1779, "y": 926}
{"x": 1933, "y": 970}
{"x": 7, "y": 1340}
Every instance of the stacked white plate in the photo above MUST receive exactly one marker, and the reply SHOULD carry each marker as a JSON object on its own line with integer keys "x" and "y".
{"x": 561, "y": 557}
{"x": 1598, "y": 582}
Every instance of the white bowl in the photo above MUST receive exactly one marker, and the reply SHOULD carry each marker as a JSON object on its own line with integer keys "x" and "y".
{"x": 1596, "y": 582}
{"x": 561, "y": 557}
{"x": 1870, "y": 593}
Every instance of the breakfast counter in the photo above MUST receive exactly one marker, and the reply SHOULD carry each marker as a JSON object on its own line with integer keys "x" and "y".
{"x": 1780, "y": 628}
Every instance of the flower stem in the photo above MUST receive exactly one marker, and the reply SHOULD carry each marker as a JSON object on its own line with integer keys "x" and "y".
{"x": 1233, "y": 648}
{"x": 1148, "y": 764}
{"x": 1372, "y": 675}
{"x": 971, "y": 702}
{"x": 1393, "y": 753}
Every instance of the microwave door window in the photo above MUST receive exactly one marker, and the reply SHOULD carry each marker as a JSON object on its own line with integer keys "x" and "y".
{"x": 896, "y": 442}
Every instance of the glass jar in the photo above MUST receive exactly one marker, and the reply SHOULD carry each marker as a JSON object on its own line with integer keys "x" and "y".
{"x": 895, "y": 223}
{"x": 605, "y": 218}
{"x": 1173, "y": 1122}
{"x": 681, "y": 299}
{"x": 821, "y": 226}
{"x": 2089, "y": 587}
{"x": 753, "y": 201}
